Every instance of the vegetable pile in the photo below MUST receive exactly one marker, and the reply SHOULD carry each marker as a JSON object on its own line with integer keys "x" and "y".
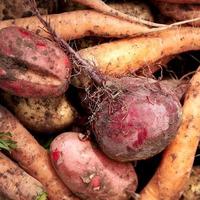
{"x": 99, "y": 100}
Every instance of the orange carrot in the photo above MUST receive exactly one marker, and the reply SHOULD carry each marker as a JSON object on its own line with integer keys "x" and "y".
{"x": 128, "y": 55}
{"x": 16, "y": 183}
{"x": 100, "y": 6}
{"x": 33, "y": 158}
{"x": 78, "y": 24}
{"x": 173, "y": 173}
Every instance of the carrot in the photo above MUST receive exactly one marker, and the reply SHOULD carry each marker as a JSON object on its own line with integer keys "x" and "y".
{"x": 33, "y": 158}
{"x": 100, "y": 6}
{"x": 173, "y": 173}
{"x": 128, "y": 55}
{"x": 180, "y": 12}
{"x": 17, "y": 184}
{"x": 77, "y": 24}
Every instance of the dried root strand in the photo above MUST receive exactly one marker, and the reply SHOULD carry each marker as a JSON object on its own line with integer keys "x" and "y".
{"x": 106, "y": 9}
{"x": 75, "y": 57}
{"x": 99, "y": 5}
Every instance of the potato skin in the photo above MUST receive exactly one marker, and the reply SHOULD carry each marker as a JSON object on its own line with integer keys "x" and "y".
{"x": 42, "y": 115}
{"x": 89, "y": 173}
{"x": 32, "y": 66}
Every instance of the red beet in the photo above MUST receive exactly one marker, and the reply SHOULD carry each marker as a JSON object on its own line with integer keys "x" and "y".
{"x": 140, "y": 122}
{"x": 32, "y": 66}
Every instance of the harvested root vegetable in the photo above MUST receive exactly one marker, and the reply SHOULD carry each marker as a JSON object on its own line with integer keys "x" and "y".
{"x": 32, "y": 66}
{"x": 88, "y": 172}
{"x": 16, "y": 184}
{"x": 192, "y": 191}
{"x": 100, "y": 6}
{"x": 82, "y": 80}
{"x": 135, "y": 8}
{"x": 126, "y": 56}
{"x": 140, "y": 122}
{"x": 33, "y": 158}
{"x": 180, "y": 12}
{"x": 42, "y": 115}
{"x": 172, "y": 175}
{"x": 78, "y": 24}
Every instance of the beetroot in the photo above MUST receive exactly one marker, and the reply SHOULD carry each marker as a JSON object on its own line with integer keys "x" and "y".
{"x": 32, "y": 66}
{"x": 140, "y": 122}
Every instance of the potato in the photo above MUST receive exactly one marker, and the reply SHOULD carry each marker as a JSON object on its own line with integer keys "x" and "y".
{"x": 89, "y": 173}
{"x": 45, "y": 115}
{"x": 32, "y": 66}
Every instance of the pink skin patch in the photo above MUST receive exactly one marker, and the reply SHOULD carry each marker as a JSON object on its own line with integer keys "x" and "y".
{"x": 96, "y": 182}
{"x": 24, "y": 33}
{"x": 13, "y": 86}
{"x": 56, "y": 155}
{"x": 142, "y": 135}
{"x": 66, "y": 61}
{"x": 40, "y": 45}
{"x": 7, "y": 51}
{"x": 2, "y": 72}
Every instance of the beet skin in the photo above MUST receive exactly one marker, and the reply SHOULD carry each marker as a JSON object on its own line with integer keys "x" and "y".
{"x": 140, "y": 122}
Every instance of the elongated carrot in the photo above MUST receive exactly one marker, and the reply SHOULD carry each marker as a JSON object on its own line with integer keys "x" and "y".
{"x": 33, "y": 158}
{"x": 128, "y": 55}
{"x": 77, "y": 24}
{"x": 180, "y": 12}
{"x": 173, "y": 173}
{"x": 16, "y": 183}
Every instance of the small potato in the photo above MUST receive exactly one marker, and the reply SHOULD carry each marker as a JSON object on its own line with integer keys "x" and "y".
{"x": 45, "y": 115}
{"x": 89, "y": 173}
{"x": 32, "y": 66}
